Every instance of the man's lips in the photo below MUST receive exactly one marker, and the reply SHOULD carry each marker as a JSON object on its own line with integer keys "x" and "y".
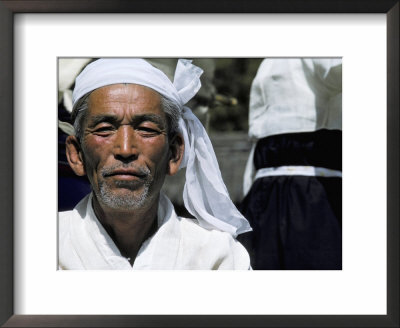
{"x": 126, "y": 174}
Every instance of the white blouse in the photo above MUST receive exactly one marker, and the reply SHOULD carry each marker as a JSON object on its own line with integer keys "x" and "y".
{"x": 295, "y": 95}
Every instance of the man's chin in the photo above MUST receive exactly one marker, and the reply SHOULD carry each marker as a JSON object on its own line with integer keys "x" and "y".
{"x": 131, "y": 185}
{"x": 123, "y": 198}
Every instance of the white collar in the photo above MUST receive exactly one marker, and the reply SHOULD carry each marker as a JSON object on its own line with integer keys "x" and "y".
{"x": 98, "y": 251}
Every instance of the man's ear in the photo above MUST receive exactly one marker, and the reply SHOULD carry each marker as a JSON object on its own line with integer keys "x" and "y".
{"x": 177, "y": 148}
{"x": 74, "y": 155}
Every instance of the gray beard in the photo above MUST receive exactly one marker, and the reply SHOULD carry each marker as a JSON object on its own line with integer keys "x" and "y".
{"x": 127, "y": 202}
{"x": 107, "y": 197}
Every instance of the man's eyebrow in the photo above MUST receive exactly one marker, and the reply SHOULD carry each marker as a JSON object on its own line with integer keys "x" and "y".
{"x": 114, "y": 120}
{"x": 97, "y": 119}
{"x": 157, "y": 119}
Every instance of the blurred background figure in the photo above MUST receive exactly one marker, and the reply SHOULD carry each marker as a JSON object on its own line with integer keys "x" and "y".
{"x": 293, "y": 183}
{"x": 71, "y": 188}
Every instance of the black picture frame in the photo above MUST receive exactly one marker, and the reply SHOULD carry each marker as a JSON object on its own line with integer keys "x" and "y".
{"x": 7, "y": 197}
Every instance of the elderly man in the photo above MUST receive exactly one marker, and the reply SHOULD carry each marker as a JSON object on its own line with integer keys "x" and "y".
{"x": 131, "y": 130}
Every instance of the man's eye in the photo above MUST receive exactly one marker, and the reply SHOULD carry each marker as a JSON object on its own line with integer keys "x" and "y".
{"x": 147, "y": 131}
{"x": 104, "y": 130}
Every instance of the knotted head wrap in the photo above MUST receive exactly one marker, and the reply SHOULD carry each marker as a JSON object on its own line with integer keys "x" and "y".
{"x": 205, "y": 194}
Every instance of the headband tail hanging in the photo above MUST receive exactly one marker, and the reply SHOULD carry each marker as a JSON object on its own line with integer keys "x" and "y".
{"x": 205, "y": 194}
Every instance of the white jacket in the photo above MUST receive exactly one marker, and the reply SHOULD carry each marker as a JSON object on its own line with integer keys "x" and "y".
{"x": 179, "y": 243}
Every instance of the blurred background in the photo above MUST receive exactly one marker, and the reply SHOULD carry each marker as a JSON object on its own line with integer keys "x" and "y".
{"x": 221, "y": 105}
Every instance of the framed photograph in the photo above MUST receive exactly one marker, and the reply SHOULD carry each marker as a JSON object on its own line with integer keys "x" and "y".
{"x": 35, "y": 34}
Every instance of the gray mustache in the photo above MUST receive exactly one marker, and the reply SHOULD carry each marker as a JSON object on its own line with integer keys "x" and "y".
{"x": 106, "y": 171}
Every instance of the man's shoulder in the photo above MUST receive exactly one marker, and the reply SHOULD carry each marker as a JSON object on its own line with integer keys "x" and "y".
{"x": 192, "y": 225}
{"x": 71, "y": 217}
{"x": 63, "y": 215}
{"x": 219, "y": 246}
{"x": 78, "y": 210}
{"x": 63, "y": 218}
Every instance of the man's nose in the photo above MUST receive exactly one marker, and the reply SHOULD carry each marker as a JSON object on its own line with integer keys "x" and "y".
{"x": 125, "y": 147}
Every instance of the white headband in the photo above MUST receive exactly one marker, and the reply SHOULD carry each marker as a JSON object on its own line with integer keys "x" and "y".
{"x": 205, "y": 195}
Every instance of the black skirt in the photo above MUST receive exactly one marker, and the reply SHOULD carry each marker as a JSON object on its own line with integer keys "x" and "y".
{"x": 296, "y": 220}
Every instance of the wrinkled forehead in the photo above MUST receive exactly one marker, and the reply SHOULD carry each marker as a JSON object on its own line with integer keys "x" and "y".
{"x": 125, "y": 93}
{"x": 125, "y": 100}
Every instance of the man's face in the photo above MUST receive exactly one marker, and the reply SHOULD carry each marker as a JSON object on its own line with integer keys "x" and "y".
{"x": 125, "y": 145}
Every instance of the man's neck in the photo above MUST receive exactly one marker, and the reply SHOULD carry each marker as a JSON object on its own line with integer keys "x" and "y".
{"x": 128, "y": 228}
